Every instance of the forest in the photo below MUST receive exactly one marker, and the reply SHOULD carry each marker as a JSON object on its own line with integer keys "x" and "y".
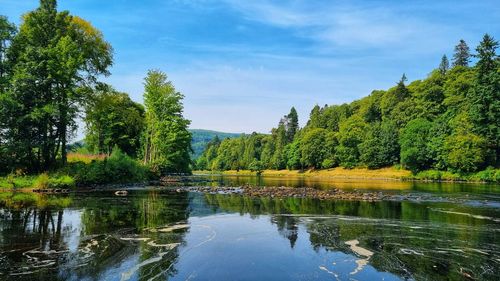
{"x": 449, "y": 121}
{"x": 51, "y": 68}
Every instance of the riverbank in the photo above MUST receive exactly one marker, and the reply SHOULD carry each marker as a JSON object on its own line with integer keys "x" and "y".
{"x": 389, "y": 174}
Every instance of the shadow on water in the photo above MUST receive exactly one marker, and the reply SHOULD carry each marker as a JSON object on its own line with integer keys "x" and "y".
{"x": 162, "y": 234}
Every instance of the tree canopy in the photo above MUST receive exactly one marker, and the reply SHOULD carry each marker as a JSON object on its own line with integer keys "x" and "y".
{"x": 448, "y": 121}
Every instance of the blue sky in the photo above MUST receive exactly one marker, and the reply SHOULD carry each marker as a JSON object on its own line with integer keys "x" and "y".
{"x": 243, "y": 64}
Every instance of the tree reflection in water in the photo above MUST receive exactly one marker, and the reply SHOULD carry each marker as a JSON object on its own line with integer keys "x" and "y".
{"x": 162, "y": 235}
{"x": 414, "y": 240}
{"x": 38, "y": 239}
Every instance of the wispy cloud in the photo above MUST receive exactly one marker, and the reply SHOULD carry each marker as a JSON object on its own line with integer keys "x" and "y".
{"x": 343, "y": 24}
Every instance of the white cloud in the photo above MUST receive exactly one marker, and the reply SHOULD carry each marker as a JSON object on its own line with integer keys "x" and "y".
{"x": 344, "y": 24}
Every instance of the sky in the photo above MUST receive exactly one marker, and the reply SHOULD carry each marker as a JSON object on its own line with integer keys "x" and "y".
{"x": 242, "y": 64}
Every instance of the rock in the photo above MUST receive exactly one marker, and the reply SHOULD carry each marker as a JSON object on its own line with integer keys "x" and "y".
{"x": 121, "y": 193}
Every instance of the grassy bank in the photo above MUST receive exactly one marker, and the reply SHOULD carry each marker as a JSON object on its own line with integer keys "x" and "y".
{"x": 390, "y": 173}
{"x": 83, "y": 170}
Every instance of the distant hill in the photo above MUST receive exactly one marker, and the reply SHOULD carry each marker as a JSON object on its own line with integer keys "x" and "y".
{"x": 202, "y": 137}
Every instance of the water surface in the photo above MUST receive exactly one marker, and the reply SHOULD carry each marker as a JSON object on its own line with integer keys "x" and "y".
{"x": 159, "y": 234}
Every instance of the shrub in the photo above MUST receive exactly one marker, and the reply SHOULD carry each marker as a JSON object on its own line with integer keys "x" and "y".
{"x": 118, "y": 168}
{"x": 42, "y": 181}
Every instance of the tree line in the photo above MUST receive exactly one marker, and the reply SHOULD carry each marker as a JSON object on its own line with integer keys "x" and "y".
{"x": 50, "y": 68}
{"x": 447, "y": 121}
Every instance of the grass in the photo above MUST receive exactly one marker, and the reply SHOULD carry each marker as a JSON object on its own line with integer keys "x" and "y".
{"x": 390, "y": 173}
{"x": 84, "y": 158}
{"x": 488, "y": 175}
{"x": 84, "y": 170}
{"x": 357, "y": 173}
{"x": 41, "y": 181}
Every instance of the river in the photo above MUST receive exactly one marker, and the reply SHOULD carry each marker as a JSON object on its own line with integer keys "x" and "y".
{"x": 453, "y": 233}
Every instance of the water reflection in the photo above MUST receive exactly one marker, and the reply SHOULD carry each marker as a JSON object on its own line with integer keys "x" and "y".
{"x": 165, "y": 235}
{"x": 349, "y": 184}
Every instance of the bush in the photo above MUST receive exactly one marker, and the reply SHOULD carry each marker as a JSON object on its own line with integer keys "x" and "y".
{"x": 256, "y": 166}
{"x": 118, "y": 168}
{"x": 488, "y": 175}
{"x": 44, "y": 181}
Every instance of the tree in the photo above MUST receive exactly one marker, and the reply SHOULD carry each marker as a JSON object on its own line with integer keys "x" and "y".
{"x": 461, "y": 57}
{"x": 350, "y": 136}
{"x": 394, "y": 97}
{"x": 292, "y": 124}
{"x": 313, "y": 148}
{"x": 444, "y": 65}
{"x": 380, "y": 147}
{"x": 485, "y": 96}
{"x": 415, "y": 154}
{"x": 7, "y": 32}
{"x": 315, "y": 117}
{"x": 52, "y": 58}
{"x": 113, "y": 119}
{"x": 167, "y": 139}
{"x": 294, "y": 155}
{"x": 464, "y": 150}
{"x": 280, "y": 140}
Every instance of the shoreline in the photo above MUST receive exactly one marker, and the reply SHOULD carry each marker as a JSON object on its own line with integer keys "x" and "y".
{"x": 362, "y": 174}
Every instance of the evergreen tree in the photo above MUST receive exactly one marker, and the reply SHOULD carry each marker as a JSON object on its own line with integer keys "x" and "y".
{"x": 485, "y": 96}
{"x": 444, "y": 65}
{"x": 461, "y": 57}
{"x": 293, "y": 124}
{"x": 401, "y": 90}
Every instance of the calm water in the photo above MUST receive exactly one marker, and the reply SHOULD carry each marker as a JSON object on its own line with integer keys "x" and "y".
{"x": 158, "y": 234}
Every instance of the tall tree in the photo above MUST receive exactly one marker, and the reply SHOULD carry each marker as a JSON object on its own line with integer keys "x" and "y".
{"x": 461, "y": 57}
{"x": 52, "y": 58}
{"x": 444, "y": 65}
{"x": 485, "y": 96}
{"x": 292, "y": 125}
{"x": 167, "y": 139}
{"x": 7, "y": 32}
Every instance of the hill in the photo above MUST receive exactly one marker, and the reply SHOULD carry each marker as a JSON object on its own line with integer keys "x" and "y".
{"x": 202, "y": 137}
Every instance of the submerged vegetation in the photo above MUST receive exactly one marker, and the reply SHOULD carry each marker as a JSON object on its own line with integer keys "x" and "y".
{"x": 444, "y": 127}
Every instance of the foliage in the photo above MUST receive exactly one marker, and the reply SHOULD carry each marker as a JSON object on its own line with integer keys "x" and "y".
{"x": 118, "y": 168}
{"x": 52, "y": 58}
{"x": 167, "y": 143}
{"x": 44, "y": 181}
{"x": 445, "y": 126}
{"x": 113, "y": 119}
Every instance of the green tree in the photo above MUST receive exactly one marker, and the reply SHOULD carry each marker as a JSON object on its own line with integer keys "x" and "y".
{"x": 167, "y": 141}
{"x": 465, "y": 151}
{"x": 292, "y": 125}
{"x": 7, "y": 32}
{"x": 414, "y": 138}
{"x": 485, "y": 96}
{"x": 313, "y": 148}
{"x": 444, "y": 65}
{"x": 113, "y": 119}
{"x": 461, "y": 57}
{"x": 52, "y": 57}
{"x": 380, "y": 147}
{"x": 350, "y": 136}
{"x": 294, "y": 155}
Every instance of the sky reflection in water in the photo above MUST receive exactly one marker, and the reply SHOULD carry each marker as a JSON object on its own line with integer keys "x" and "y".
{"x": 159, "y": 235}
